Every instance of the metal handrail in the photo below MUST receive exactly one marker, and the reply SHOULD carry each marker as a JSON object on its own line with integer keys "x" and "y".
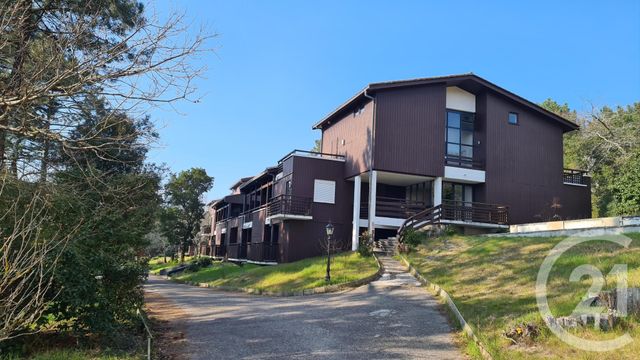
{"x": 574, "y": 176}
{"x": 149, "y": 334}
{"x": 312, "y": 153}
{"x": 463, "y": 161}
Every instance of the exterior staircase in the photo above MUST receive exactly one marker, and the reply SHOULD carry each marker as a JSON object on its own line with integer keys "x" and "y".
{"x": 386, "y": 246}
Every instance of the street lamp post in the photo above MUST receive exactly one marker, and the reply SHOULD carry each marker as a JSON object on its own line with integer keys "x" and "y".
{"x": 329, "y": 229}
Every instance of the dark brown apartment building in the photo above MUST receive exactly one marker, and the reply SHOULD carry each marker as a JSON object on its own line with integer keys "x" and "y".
{"x": 461, "y": 147}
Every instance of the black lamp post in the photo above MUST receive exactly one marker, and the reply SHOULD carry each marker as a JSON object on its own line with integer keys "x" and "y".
{"x": 329, "y": 229}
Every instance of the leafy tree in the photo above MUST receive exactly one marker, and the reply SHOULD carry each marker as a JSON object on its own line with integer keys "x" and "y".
{"x": 607, "y": 147}
{"x": 184, "y": 193}
{"x": 317, "y": 146}
{"x": 117, "y": 199}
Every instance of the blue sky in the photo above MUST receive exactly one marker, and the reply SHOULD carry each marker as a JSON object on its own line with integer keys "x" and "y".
{"x": 280, "y": 66}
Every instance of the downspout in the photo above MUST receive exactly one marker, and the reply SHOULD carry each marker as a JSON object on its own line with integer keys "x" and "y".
{"x": 371, "y": 152}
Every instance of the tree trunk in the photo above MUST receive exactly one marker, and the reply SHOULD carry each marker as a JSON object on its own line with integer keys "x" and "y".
{"x": 24, "y": 33}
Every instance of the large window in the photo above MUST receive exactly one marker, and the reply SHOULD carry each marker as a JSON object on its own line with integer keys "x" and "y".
{"x": 460, "y": 134}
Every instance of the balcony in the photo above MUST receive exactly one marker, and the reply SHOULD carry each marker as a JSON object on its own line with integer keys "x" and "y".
{"x": 393, "y": 208}
{"x": 463, "y": 162}
{"x": 575, "y": 177}
{"x": 475, "y": 212}
{"x": 291, "y": 207}
{"x": 463, "y": 213}
{"x": 263, "y": 252}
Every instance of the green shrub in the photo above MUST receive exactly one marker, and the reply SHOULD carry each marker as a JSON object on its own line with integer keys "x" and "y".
{"x": 411, "y": 238}
{"x": 365, "y": 244}
{"x": 204, "y": 261}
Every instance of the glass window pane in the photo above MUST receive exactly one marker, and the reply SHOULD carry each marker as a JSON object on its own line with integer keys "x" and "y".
{"x": 513, "y": 118}
{"x": 453, "y": 149}
{"x": 457, "y": 195}
{"x": 466, "y": 151}
{"x": 453, "y": 135}
{"x": 453, "y": 119}
{"x": 467, "y": 138}
{"x": 466, "y": 126}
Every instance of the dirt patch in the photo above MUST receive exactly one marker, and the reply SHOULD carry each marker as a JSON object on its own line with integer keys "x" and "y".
{"x": 167, "y": 321}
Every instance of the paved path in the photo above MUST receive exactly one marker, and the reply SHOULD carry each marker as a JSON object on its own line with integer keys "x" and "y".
{"x": 392, "y": 318}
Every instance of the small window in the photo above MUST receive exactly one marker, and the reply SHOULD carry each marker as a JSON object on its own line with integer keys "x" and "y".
{"x": 513, "y": 118}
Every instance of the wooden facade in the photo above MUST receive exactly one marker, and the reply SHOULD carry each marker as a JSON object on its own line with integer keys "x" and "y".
{"x": 398, "y": 136}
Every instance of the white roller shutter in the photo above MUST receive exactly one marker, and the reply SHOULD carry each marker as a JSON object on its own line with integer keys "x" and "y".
{"x": 324, "y": 191}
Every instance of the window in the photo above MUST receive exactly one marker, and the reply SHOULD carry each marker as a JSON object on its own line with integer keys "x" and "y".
{"x": 287, "y": 187}
{"x": 513, "y": 118}
{"x": 324, "y": 191}
{"x": 460, "y": 134}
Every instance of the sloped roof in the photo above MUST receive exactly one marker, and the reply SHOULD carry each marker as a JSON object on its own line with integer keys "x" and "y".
{"x": 451, "y": 80}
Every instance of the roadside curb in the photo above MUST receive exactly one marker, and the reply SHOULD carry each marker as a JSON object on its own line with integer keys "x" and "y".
{"x": 314, "y": 291}
{"x": 440, "y": 292}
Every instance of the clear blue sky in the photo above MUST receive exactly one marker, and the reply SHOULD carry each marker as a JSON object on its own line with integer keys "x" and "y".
{"x": 280, "y": 66}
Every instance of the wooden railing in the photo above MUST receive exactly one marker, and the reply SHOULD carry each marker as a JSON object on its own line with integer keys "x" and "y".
{"x": 475, "y": 212}
{"x": 289, "y": 205}
{"x": 457, "y": 211}
{"x": 233, "y": 251}
{"x": 220, "y": 250}
{"x": 393, "y": 207}
{"x": 577, "y": 177}
{"x": 262, "y": 251}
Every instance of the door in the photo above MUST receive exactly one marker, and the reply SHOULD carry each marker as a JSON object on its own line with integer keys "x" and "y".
{"x": 458, "y": 200}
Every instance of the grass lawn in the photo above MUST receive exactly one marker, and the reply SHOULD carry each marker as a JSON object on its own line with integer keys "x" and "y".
{"x": 157, "y": 263}
{"x": 296, "y": 276}
{"x": 75, "y": 355}
{"x": 492, "y": 281}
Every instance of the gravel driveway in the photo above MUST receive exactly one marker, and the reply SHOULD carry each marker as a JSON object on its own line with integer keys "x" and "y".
{"x": 391, "y": 318}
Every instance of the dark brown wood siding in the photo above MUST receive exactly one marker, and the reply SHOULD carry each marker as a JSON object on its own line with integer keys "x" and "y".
{"x": 350, "y": 136}
{"x": 410, "y": 130}
{"x": 524, "y": 164}
{"x": 302, "y": 237}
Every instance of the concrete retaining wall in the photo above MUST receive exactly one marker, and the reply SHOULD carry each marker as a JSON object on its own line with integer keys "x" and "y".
{"x": 598, "y": 226}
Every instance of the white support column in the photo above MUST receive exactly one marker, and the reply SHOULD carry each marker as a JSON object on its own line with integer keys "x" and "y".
{"x": 373, "y": 181}
{"x": 355, "y": 234}
{"x": 437, "y": 191}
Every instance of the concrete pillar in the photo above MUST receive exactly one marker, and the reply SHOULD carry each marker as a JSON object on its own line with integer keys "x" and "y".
{"x": 373, "y": 181}
{"x": 437, "y": 191}
{"x": 357, "y": 185}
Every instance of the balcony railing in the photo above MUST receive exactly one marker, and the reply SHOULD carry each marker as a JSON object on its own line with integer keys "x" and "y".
{"x": 289, "y": 205}
{"x": 463, "y": 161}
{"x": 262, "y": 251}
{"x": 312, "y": 154}
{"x": 575, "y": 177}
{"x": 206, "y": 230}
{"x": 475, "y": 212}
{"x": 457, "y": 211}
{"x": 393, "y": 207}
{"x": 220, "y": 251}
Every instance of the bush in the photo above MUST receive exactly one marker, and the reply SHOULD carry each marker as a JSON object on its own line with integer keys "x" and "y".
{"x": 197, "y": 264}
{"x": 365, "y": 244}
{"x": 411, "y": 238}
{"x": 204, "y": 261}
